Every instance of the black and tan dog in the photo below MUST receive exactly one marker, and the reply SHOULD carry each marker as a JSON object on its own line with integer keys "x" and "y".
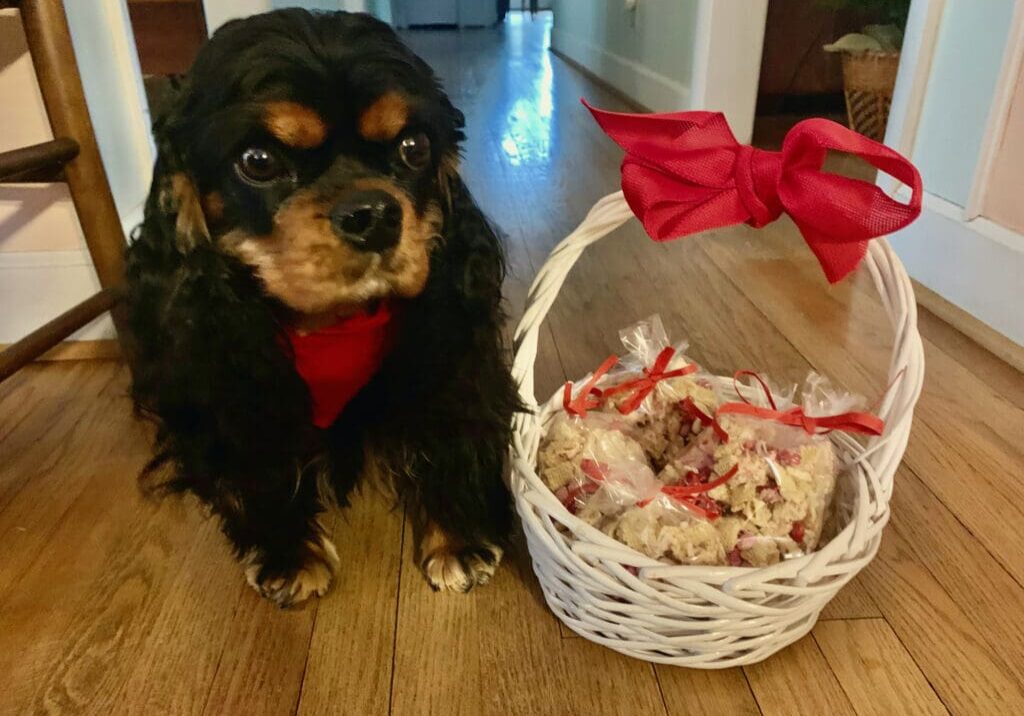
{"x": 307, "y": 175}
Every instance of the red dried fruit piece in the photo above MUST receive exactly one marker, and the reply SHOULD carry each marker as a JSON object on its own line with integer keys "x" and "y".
{"x": 788, "y": 457}
{"x": 709, "y": 506}
{"x": 593, "y": 469}
{"x": 736, "y": 557}
{"x": 798, "y": 532}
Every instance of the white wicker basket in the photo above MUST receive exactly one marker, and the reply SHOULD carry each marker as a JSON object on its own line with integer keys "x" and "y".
{"x": 703, "y": 617}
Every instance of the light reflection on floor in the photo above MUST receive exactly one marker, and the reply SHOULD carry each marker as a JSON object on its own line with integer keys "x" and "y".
{"x": 527, "y": 134}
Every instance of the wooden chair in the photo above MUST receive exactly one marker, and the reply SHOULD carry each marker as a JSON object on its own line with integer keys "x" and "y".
{"x": 73, "y": 157}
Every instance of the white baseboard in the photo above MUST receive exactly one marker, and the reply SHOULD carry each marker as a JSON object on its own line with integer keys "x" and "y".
{"x": 638, "y": 82}
{"x": 976, "y": 265}
{"x": 36, "y": 286}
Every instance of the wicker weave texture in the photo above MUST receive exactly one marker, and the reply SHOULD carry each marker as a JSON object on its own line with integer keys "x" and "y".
{"x": 704, "y": 617}
{"x": 868, "y": 82}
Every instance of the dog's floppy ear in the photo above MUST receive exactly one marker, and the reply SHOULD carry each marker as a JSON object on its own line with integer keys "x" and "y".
{"x": 474, "y": 251}
{"x": 206, "y": 351}
{"x": 174, "y": 207}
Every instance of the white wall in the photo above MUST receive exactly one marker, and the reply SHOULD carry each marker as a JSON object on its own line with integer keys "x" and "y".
{"x": 955, "y": 78}
{"x": 965, "y": 67}
{"x": 669, "y": 56}
{"x": 44, "y": 266}
{"x": 647, "y": 53}
{"x": 220, "y": 11}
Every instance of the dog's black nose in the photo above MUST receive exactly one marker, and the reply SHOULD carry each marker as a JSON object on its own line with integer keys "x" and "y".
{"x": 368, "y": 220}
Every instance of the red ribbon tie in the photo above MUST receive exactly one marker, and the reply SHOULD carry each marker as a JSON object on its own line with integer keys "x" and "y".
{"x": 852, "y": 422}
{"x": 647, "y": 382}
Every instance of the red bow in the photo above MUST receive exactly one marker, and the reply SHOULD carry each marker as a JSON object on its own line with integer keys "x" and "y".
{"x": 853, "y": 422}
{"x": 684, "y": 172}
{"x": 646, "y": 383}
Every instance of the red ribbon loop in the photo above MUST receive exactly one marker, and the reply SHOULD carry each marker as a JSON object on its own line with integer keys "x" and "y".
{"x": 684, "y": 172}
{"x": 693, "y": 497}
{"x": 852, "y": 422}
{"x": 589, "y": 397}
{"x": 646, "y": 383}
{"x": 691, "y": 409}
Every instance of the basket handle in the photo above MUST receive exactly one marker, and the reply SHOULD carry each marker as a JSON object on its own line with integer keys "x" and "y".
{"x": 906, "y": 367}
{"x": 608, "y": 214}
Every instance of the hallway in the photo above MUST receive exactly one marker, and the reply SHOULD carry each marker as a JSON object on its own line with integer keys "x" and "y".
{"x": 113, "y": 605}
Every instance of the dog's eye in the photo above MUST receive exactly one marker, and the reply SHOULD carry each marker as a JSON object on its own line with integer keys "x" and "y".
{"x": 259, "y": 166}
{"x": 415, "y": 151}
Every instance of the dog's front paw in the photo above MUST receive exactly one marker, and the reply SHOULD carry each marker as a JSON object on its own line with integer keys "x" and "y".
{"x": 452, "y": 566}
{"x": 317, "y": 564}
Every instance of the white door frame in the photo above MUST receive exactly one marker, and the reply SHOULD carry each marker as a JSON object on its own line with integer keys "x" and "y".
{"x": 978, "y": 294}
{"x": 999, "y": 115}
{"x": 727, "y": 63}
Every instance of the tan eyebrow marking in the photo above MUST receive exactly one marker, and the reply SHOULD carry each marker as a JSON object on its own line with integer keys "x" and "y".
{"x": 294, "y": 124}
{"x": 385, "y": 118}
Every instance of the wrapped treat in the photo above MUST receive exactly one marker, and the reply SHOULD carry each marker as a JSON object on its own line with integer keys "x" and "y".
{"x": 662, "y": 530}
{"x": 786, "y": 467}
{"x": 649, "y": 385}
{"x": 594, "y": 467}
{"x": 667, "y": 461}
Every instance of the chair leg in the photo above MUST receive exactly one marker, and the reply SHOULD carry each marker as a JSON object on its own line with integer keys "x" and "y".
{"x": 53, "y": 56}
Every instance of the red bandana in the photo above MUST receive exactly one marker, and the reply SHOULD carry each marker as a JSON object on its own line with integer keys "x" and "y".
{"x": 337, "y": 361}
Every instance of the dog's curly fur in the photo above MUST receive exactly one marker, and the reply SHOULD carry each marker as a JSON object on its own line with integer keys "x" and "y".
{"x": 209, "y": 355}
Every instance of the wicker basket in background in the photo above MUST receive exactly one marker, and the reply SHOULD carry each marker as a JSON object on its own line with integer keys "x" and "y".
{"x": 868, "y": 81}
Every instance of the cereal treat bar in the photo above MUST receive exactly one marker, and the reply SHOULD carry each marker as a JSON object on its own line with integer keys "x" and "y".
{"x": 594, "y": 467}
{"x": 776, "y": 503}
{"x": 664, "y": 530}
{"x": 661, "y": 424}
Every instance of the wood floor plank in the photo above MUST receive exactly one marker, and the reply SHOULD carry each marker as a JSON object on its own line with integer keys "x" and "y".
{"x": 1000, "y": 376}
{"x": 41, "y": 408}
{"x": 348, "y": 669}
{"x": 967, "y": 673}
{"x": 876, "y": 672}
{"x": 88, "y": 559}
{"x": 497, "y": 651}
{"x": 797, "y": 681}
{"x": 175, "y": 667}
{"x": 262, "y": 660}
{"x": 71, "y": 628}
{"x": 58, "y": 469}
{"x": 989, "y": 597}
{"x": 853, "y": 602}
{"x": 700, "y": 692}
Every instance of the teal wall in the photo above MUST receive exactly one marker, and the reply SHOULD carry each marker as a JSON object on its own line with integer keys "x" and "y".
{"x": 965, "y": 69}
{"x": 658, "y": 36}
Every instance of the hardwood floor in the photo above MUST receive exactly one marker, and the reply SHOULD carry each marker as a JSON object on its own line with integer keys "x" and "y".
{"x": 110, "y": 604}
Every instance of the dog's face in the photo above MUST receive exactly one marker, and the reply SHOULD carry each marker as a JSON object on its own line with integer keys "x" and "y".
{"x": 317, "y": 149}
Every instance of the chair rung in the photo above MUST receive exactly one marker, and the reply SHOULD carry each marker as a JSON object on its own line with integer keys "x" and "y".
{"x": 18, "y": 354}
{"x": 31, "y": 163}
